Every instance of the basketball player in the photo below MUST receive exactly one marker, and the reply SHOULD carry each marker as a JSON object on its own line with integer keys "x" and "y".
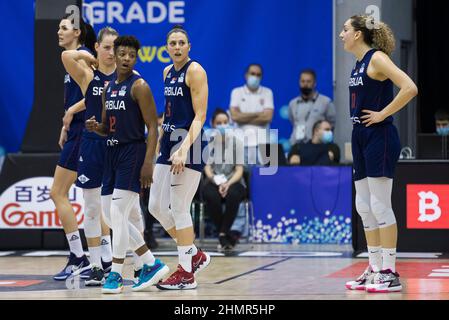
{"x": 82, "y": 39}
{"x": 175, "y": 180}
{"x": 128, "y": 107}
{"x": 375, "y": 144}
{"x": 93, "y": 146}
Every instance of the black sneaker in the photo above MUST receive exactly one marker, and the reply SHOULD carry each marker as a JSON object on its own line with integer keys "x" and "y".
{"x": 96, "y": 277}
{"x": 225, "y": 244}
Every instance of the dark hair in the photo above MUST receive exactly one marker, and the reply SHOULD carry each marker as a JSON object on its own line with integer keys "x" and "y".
{"x": 377, "y": 36}
{"x": 317, "y": 124}
{"x": 87, "y": 37}
{"x": 256, "y": 65}
{"x": 441, "y": 114}
{"x": 127, "y": 41}
{"x": 106, "y": 31}
{"x": 309, "y": 71}
{"x": 178, "y": 28}
{"x": 217, "y": 112}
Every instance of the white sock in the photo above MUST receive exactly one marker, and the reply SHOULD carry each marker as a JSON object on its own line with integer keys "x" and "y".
{"x": 375, "y": 258}
{"x": 389, "y": 259}
{"x": 195, "y": 250}
{"x": 95, "y": 256}
{"x": 106, "y": 248}
{"x": 148, "y": 258}
{"x": 117, "y": 267}
{"x": 185, "y": 257}
{"x": 75, "y": 244}
{"x": 138, "y": 264}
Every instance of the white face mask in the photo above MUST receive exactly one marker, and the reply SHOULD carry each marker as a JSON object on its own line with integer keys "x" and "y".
{"x": 253, "y": 82}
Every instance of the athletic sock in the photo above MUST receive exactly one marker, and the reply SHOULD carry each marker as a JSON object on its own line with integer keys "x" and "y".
{"x": 138, "y": 264}
{"x": 185, "y": 257}
{"x": 148, "y": 258}
{"x": 75, "y": 244}
{"x": 106, "y": 248}
{"x": 375, "y": 258}
{"x": 389, "y": 259}
{"x": 95, "y": 256}
{"x": 117, "y": 267}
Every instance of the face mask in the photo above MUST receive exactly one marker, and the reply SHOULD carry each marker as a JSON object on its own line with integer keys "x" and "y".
{"x": 222, "y": 128}
{"x": 253, "y": 82}
{"x": 443, "y": 131}
{"x": 306, "y": 91}
{"x": 327, "y": 137}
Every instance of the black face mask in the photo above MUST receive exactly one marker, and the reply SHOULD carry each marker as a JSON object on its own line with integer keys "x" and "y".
{"x": 306, "y": 91}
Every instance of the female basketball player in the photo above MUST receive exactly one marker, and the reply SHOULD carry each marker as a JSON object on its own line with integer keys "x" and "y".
{"x": 375, "y": 144}
{"x": 178, "y": 169}
{"x": 128, "y": 107}
{"x": 82, "y": 39}
{"x": 93, "y": 146}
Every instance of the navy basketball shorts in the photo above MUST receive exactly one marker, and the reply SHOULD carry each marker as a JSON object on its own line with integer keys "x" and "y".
{"x": 375, "y": 151}
{"x": 91, "y": 163}
{"x": 70, "y": 150}
{"x": 122, "y": 167}
{"x": 196, "y": 158}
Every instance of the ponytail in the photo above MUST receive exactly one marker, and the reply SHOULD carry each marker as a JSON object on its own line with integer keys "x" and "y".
{"x": 377, "y": 35}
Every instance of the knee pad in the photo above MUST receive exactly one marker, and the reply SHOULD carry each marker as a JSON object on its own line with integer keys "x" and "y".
{"x": 120, "y": 209}
{"x": 136, "y": 219}
{"x": 92, "y": 212}
{"x": 384, "y": 214}
{"x": 164, "y": 218}
{"x": 181, "y": 213}
{"x": 106, "y": 207}
{"x": 363, "y": 209}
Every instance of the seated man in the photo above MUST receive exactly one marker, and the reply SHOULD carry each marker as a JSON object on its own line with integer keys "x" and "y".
{"x": 319, "y": 151}
{"x": 224, "y": 184}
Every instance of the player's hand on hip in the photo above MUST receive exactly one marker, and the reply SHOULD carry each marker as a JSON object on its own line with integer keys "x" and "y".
{"x": 62, "y": 137}
{"x": 372, "y": 117}
{"x": 178, "y": 161}
{"x": 91, "y": 124}
{"x": 146, "y": 175}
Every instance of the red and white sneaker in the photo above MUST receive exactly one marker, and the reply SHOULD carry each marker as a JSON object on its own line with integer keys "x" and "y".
{"x": 200, "y": 261}
{"x": 385, "y": 281}
{"x": 365, "y": 278}
{"x": 179, "y": 280}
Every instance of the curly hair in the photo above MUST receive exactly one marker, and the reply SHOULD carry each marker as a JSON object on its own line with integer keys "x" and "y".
{"x": 127, "y": 41}
{"x": 377, "y": 35}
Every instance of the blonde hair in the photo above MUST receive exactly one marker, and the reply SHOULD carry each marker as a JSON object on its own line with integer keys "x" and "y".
{"x": 377, "y": 35}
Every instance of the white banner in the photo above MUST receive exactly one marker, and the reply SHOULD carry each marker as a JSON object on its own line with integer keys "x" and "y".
{"x": 27, "y": 205}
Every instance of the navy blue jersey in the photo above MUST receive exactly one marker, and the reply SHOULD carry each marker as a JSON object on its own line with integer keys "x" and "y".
{"x": 124, "y": 118}
{"x": 93, "y": 101}
{"x": 367, "y": 93}
{"x": 179, "y": 114}
{"x": 72, "y": 95}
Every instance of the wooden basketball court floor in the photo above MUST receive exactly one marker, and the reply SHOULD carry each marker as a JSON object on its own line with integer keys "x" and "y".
{"x": 252, "y": 272}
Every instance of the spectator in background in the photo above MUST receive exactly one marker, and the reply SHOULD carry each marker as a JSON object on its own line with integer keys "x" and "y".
{"x": 252, "y": 109}
{"x": 442, "y": 122}
{"x": 224, "y": 183}
{"x": 319, "y": 151}
{"x": 309, "y": 107}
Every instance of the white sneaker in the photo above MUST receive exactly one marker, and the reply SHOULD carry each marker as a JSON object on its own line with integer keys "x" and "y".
{"x": 365, "y": 278}
{"x": 385, "y": 281}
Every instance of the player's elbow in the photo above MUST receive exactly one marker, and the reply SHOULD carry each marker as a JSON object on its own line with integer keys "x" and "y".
{"x": 413, "y": 90}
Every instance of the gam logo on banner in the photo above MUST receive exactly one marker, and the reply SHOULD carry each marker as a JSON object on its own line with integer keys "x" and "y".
{"x": 427, "y": 206}
{"x": 27, "y": 205}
